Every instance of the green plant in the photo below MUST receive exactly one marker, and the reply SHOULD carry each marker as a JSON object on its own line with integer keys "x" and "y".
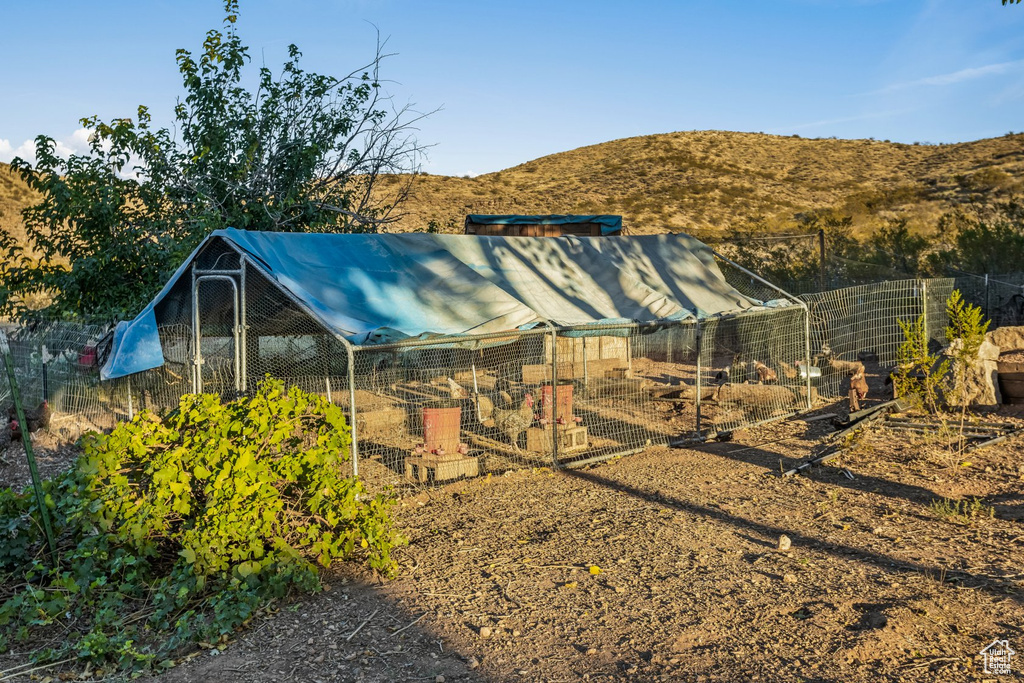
{"x": 181, "y": 529}
{"x": 299, "y": 152}
{"x": 919, "y": 373}
{"x": 963, "y": 511}
{"x": 965, "y": 334}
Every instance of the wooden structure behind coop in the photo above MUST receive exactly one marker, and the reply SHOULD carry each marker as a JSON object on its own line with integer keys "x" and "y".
{"x": 543, "y": 226}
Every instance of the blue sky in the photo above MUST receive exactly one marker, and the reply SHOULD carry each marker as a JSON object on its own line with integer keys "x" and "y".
{"x": 520, "y": 80}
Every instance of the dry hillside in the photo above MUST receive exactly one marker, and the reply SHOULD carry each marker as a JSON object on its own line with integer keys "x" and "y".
{"x": 14, "y": 196}
{"x": 710, "y": 181}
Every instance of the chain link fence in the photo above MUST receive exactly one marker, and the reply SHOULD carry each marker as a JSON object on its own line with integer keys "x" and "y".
{"x": 57, "y": 363}
{"x": 427, "y": 411}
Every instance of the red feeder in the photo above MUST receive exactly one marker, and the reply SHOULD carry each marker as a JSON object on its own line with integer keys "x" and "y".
{"x": 441, "y": 428}
{"x": 563, "y": 413}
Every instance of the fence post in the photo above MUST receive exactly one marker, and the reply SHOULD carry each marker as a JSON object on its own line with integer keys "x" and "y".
{"x": 988, "y": 310}
{"x": 821, "y": 257}
{"x": 807, "y": 353}
{"x": 699, "y": 343}
{"x": 352, "y": 405}
{"x": 924, "y": 308}
{"x": 554, "y": 396}
{"x": 26, "y": 439}
{"x": 131, "y": 406}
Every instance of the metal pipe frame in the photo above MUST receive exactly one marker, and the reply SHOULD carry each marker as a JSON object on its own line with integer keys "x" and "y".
{"x": 197, "y": 281}
{"x": 554, "y": 395}
{"x": 798, "y": 302}
{"x": 699, "y": 338}
{"x": 243, "y": 333}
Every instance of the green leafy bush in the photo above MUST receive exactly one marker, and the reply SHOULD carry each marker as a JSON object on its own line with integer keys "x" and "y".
{"x": 180, "y": 529}
{"x": 919, "y": 374}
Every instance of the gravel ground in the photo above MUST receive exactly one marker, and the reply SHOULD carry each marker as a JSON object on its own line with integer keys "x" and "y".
{"x": 670, "y": 565}
{"x": 667, "y": 566}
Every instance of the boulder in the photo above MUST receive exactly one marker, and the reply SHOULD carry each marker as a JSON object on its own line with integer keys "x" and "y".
{"x": 1007, "y": 338}
{"x": 981, "y": 379}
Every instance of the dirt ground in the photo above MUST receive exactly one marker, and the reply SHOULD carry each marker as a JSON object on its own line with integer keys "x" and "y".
{"x": 665, "y": 565}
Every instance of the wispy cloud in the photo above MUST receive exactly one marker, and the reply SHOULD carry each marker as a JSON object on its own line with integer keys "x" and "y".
{"x": 845, "y": 119}
{"x": 955, "y": 77}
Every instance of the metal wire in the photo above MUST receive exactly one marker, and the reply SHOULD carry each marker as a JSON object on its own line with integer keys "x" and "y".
{"x": 427, "y": 411}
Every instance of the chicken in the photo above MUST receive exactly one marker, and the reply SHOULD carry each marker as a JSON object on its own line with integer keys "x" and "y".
{"x": 456, "y": 390}
{"x": 790, "y": 371}
{"x": 764, "y": 373}
{"x": 514, "y": 421}
{"x": 858, "y": 389}
{"x": 854, "y": 370}
{"x": 34, "y": 419}
{"x": 846, "y": 367}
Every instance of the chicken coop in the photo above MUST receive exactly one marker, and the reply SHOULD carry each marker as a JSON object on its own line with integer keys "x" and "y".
{"x": 553, "y": 225}
{"x": 460, "y": 355}
{"x": 55, "y": 365}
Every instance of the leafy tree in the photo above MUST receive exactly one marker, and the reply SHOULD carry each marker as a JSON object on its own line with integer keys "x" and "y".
{"x": 896, "y": 247}
{"x": 300, "y": 152}
{"x": 988, "y": 240}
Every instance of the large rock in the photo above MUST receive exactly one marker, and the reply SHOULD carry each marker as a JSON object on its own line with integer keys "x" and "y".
{"x": 979, "y": 385}
{"x": 1007, "y": 338}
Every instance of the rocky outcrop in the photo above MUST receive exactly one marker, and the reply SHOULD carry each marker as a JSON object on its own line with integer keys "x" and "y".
{"x": 979, "y": 384}
{"x": 1007, "y": 338}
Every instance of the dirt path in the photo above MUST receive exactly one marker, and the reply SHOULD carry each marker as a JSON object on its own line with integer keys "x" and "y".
{"x": 687, "y": 581}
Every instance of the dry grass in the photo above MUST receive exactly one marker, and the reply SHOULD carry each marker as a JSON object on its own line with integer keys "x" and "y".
{"x": 14, "y": 196}
{"x": 712, "y": 181}
{"x": 709, "y": 181}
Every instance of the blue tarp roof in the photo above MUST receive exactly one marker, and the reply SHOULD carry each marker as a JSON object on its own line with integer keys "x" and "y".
{"x": 610, "y": 224}
{"x": 379, "y": 288}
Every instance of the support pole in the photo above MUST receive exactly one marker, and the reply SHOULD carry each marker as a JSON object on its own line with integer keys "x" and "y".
{"x": 924, "y": 308}
{"x": 554, "y": 397}
{"x": 26, "y": 439}
{"x": 698, "y": 337}
{"x": 476, "y": 393}
{"x": 327, "y": 382}
{"x": 821, "y": 258}
{"x": 807, "y": 353}
{"x": 243, "y": 316}
{"x": 197, "y": 358}
{"x": 352, "y": 405}
{"x": 131, "y": 406}
{"x": 988, "y": 309}
{"x": 586, "y": 375}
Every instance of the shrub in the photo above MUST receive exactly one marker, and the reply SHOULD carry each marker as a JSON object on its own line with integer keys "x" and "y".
{"x": 190, "y": 524}
{"x": 919, "y": 374}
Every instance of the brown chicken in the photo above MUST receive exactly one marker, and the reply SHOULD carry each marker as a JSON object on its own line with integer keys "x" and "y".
{"x": 858, "y": 389}
{"x": 512, "y": 421}
{"x": 764, "y": 373}
{"x": 34, "y": 419}
{"x": 855, "y": 371}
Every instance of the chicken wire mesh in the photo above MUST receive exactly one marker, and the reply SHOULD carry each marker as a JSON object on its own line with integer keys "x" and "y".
{"x": 56, "y": 363}
{"x": 754, "y": 368}
{"x": 861, "y": 325}
{"x": 1001, "y": 297}
{"x": 428, "y": 411}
